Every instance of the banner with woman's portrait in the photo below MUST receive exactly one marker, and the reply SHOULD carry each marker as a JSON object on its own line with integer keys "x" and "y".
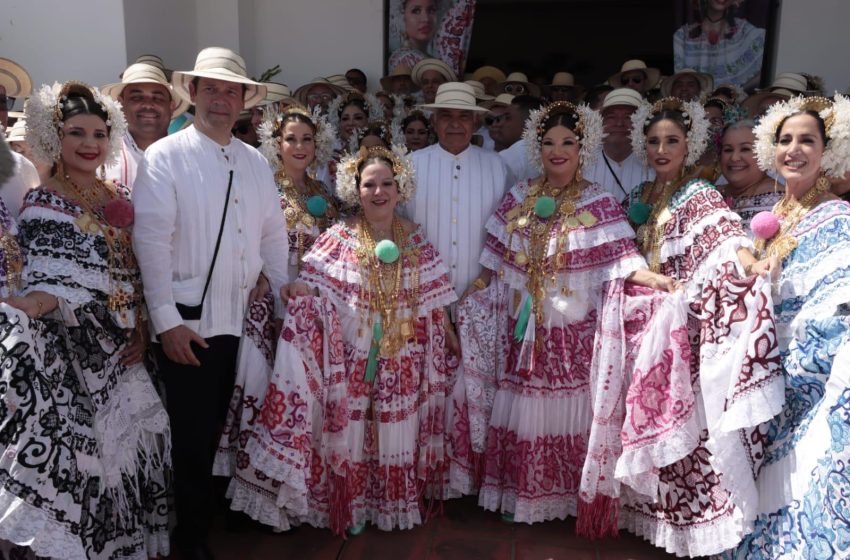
{"x": 421, "y": 29}
{"x": 724, "y": 38}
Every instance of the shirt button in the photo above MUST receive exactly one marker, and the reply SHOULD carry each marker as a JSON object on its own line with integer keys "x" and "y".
{"x": 236, "y": 201}
{"x": 454, "y": 242}
{"x": 455, "y": 176}
{"x": 454, "y": 199}
{"x": 240, "y": 230}
{"x": 454, "y": 266}
{"x": 457, "y": 167}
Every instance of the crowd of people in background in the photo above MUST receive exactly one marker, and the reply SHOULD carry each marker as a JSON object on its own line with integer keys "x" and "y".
{"x": 626, "y": 303}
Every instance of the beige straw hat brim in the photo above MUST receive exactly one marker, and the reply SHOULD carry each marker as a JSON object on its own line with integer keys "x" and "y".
{"x": 706, "y": 81}
{"x": 219, "y": 64}
{"x": 455, "y": 95}
{"x": 145, "y": 73}
{"x": 653, "y": 75}
{"x": 301, "y": 93}
{"x": 14, "y": 78}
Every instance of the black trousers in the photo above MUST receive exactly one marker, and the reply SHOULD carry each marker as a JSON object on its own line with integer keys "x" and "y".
{"x": 197, "y": 399}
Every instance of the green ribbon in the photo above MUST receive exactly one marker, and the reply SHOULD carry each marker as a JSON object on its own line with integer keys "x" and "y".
{"x": 372, "y": 360}
{"x": 522, "y": 320}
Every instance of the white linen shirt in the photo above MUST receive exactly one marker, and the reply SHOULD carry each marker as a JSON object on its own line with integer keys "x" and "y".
{"x": 630, "y": 171}
{"x": 516, "y": 158}
{"x": 124, "y": 171}
{"x": 178, "y": 197}
{"x": 455, "y": 196}
{"x": 16, "y": 187}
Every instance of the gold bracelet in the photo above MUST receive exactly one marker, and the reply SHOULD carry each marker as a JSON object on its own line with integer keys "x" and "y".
{"x": 479, "y": 283}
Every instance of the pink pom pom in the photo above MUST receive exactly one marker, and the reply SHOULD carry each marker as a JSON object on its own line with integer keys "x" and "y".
{"x": 764, "y": 225}
{"x": 118, "y": 213}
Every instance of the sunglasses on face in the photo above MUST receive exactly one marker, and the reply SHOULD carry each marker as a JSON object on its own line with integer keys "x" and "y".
{"x": 7, "y": 101}
{"x": 626, "y": 80}
{"x": 515, "y": 89}
{"x": 491, "y": 120}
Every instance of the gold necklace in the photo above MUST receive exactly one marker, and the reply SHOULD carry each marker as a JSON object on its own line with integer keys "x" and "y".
{"x": 650, "y": 235}
{"x": 14, "y": 260}
{"x": 118, "y": 242}
{"x": 790, "y": 212}
{"x": 295, "y": 208}
{"x": 539, "y": 267}
{"x": 729, "y": 192}
{"x": 384, "y": 286}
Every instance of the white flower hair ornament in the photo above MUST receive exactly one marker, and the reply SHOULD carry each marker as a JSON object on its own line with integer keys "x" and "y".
{"x": 346, "y": 175}
{"x": 588, "y": 129}
{"x": 388, "y": 134}
{"x": 44, "y": 120}
{"x": 324, "y": 137}
{"x": 836, "y": 116}
{"x": 693, "y": 115}
{"x": 374, "y": 109}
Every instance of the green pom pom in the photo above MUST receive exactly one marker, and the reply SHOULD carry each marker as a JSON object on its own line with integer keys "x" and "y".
{"x": 317, "y": 206}
{"x": 545, "y": 206}
{"x": 386, "y": 251}
{"x": 639, "y": 213}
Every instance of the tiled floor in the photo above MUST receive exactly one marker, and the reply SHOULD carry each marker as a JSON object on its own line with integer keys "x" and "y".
{"x": 463, "y": 532}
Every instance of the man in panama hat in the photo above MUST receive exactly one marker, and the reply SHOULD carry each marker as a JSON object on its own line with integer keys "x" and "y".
{"x": 207, "y": 224}
{"x": 149, "y": 105}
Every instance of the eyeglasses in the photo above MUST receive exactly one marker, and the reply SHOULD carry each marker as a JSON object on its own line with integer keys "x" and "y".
{"x": 491, "y": 120}
{"x": 7, "y": 102}
{"x": 626, "y": 80}
{"x": 319, "y": 98}
{"x": 515, "y": 89}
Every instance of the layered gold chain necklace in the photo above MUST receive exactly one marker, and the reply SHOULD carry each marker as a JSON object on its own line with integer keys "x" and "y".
{"x": 383, "y": 288}
{"x": 118, "y": 241}
{"x": 297, "y": 207}
{"x": 536, "y": 213}
{"x": 650, "y": 235}
{"x": 790, "y": 212}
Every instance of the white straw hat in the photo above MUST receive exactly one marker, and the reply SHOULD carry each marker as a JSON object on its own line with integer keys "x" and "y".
{"x": 17, "y": 132}
{"x": 478, "y": 89}
{"x": 431, "y": 64}
{"x": 520, "y": 78}
{"x": 455, "y": 95}
{"x": 622, "y": 97}
{"x": 277, "y": 93}
{"x": 786, "y": 85}
{"x": 706, "y": 81}
{"x": 501, "y": 100}
{"x": 652, "y": 74}
{"x": 301, "y": 93}
{"x": 14, "y": 78}
{"x": 340, "y": 81}
{"x": 144, "y": 73}
{"x": 219, "y": 63}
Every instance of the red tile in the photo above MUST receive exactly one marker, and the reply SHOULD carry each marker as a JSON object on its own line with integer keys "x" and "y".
{"x": 412, "y": 544}
{"x": 540, "y": 551}
{"x": 457, "y": 546}
{"x": 557, "y": 532}
{"x": 304, "y": 543}
{"x": 466, "y": 515}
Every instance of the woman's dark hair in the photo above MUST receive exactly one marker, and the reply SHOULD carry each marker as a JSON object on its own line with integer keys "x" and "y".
{"x": 593, "y": 95}
{"x": 560, "y": 118}
{"x": 667, "y": 114}
{"x": 375, "y": 128}
{"x": 80, "y": 101}
{"x": 810, "y": 112}
{"x": 356, "y": 100}
{"x": 293, "y": 117}
{"x": 701, "y": 7}
{"x": 416, "y": 116}
{"x": 375, "y": 158}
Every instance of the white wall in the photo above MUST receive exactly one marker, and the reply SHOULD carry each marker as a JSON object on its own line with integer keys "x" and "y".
{"x": 59, "y": 40}
{"x": 313, "y": 38}
{"x": 813, "y": 38}
{"x": 168, "y": 28}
